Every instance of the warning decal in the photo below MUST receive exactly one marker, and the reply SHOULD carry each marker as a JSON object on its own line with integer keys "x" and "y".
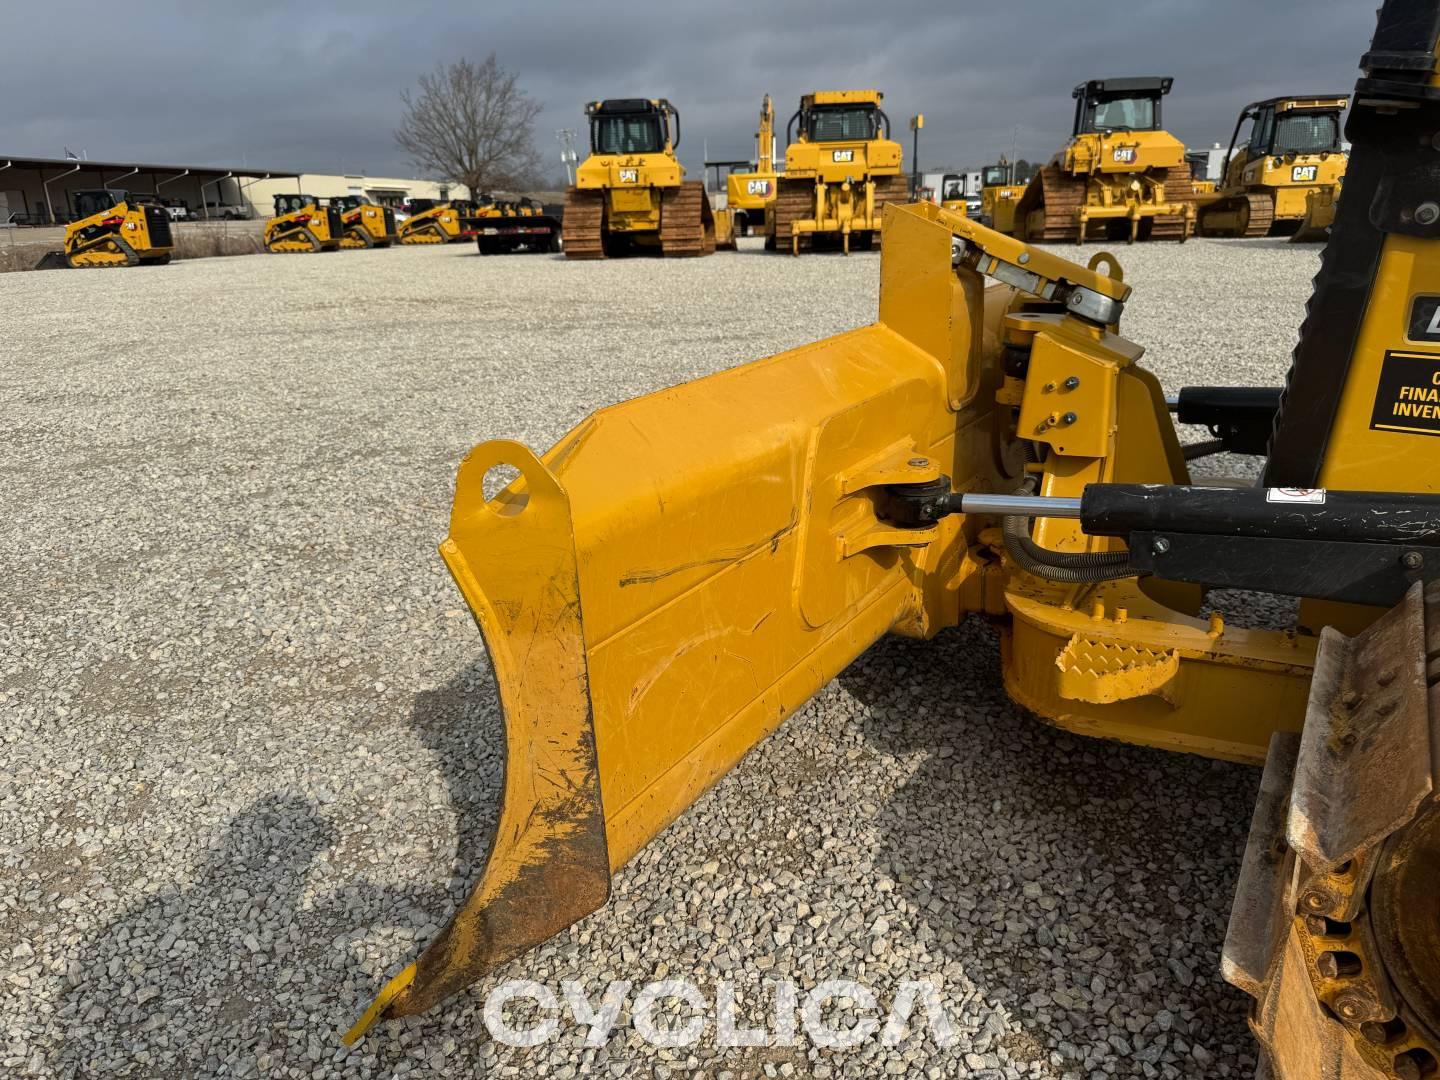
{"x": 1408, "y": 397}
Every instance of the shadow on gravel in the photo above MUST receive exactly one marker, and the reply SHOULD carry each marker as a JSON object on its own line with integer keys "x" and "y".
{"x": 1082, "y": 884}
{"x": 241, "y": 969}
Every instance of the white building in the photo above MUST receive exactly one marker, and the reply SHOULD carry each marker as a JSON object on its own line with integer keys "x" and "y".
{"x": 384, "y": 190}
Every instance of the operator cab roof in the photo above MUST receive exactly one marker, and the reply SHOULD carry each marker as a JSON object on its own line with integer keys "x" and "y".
{"x": 622, "y": 106}
{"x": 1138, "y": 86}
{"x": 1287, "y": 102}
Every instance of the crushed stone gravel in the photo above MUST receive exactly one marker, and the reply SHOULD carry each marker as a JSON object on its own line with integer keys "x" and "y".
{"x": 250, "y": 751}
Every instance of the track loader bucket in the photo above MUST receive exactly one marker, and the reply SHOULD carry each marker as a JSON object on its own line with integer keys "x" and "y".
{"x": 53, "y": 260}
{"x": 681, "y": 572}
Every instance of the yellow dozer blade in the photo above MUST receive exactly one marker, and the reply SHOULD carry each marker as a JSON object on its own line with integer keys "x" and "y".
{"x": 683, "y": 571}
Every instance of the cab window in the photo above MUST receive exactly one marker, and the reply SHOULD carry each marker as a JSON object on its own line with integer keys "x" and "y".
{"x": 637, "y": 133}
{"x": 1123, "y": 114}
{"x": 841, "y": 125}
{"x": 1307, "y": 133}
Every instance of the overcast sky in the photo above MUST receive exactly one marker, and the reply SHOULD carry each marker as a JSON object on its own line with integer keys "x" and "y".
{"x": 315, "y": 86}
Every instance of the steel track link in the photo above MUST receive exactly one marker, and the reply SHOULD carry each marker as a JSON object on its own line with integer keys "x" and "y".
{"x": 583, "y": 224}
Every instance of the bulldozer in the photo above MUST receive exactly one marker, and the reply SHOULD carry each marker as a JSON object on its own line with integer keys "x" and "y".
{"x": 433, "y": 221}
{"x": 1121, "y": 176}
{"x": 999, "y": 195}
{"x": 113, "y": 228}
{"x": 841, "y": 169}
{"x": 681, "y": 572}
{"x": 1292, "y": 150}
{"x": 303, "y": 223}
{"x": 365, "y": 224}
{"x": 503, "y": 226}
{"x": 750, "y": 192}
{"x": 630, "y": 195}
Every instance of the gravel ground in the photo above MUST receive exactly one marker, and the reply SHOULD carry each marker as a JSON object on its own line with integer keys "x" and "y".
{"x": 250, "y": 739}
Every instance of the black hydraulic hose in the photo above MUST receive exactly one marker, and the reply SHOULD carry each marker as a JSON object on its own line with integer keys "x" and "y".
{"x": 1066, "y": 567}
{"x": 1203, "y": 449}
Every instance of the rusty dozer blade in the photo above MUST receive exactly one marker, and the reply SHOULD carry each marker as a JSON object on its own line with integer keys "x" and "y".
{"x": 683, "y": 571}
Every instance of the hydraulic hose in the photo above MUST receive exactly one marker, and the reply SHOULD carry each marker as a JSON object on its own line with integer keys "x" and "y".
{"x": 1066, "y": 567}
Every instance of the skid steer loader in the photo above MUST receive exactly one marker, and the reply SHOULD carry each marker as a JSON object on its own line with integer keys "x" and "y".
{"x": 841, "y": 169}
{"x": 630, "y": 194}
{"x": 302, "y": 224}
{"x": 365, "y": 224}
{"x": 662, "y": 588}
{"x": 114, "y": 228}
{"x": 1293, "y": 150}
{"x": 1120, "y": 177}
{"x": 432, "y": 222}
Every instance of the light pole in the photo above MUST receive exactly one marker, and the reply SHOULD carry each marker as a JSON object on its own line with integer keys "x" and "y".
{"x": 916, "y": 123}
{"x": 566, "y": 137}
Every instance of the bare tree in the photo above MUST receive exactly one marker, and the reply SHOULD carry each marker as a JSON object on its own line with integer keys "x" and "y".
{"x": 472, "y": 125}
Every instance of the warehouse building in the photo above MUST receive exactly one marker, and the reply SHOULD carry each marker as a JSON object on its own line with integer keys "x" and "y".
{"x": 40, "y": 191}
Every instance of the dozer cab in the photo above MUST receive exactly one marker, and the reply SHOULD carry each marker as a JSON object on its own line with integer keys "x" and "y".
{"x": 433, "y": 221}
{"x": 841, "y": 169}
{"x": 680, "y": 573}
{"x": 113, "y": 228}
{"x": 630, "y": 194}
{"x": 999, "y": 195}
{"x": 503, "y": 226}
{"x": 1293, "y": 149}
{"x": 1121, "y": 176}
{"x": 750, "y": 192}
{"x": 302, "y": 224}
{"x": 365, "y": 224}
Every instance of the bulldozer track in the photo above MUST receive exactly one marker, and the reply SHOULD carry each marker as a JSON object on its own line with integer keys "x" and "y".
{"x": 1179, "y": 187}
{"x": 583, "y": 224}
{"x": 794, "y": 201}
{"x": 428, "y": 233}
{"x": 1055, "y": 196}
{"x": 687, "y": 225}
{"x": 888, "y": 189}
{"x": 1259, "y": 215}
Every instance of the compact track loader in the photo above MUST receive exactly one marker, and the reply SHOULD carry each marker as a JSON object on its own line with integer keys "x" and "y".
{"x": 663, "y": 587}
{"x": 114, "y": 228}
{"x": 432, "y": 222}
{"x": 504, "y": 226}
{"x": 1293, "y": 150}
{"x": 841, "y": 169}
{"x": 999, "y": 196}
{"x": 630, "y": 194}
{"x": 365, "y": 224}
{"x": 1120, "y": 177}
{"x": 302, "y": 224}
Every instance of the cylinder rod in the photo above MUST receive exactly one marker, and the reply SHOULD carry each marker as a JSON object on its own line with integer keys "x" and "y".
{"x": 1028, "y": 505}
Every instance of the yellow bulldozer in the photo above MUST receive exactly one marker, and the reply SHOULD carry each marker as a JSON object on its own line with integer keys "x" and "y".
{"x": 680, "y": 573}
{"x": 1293, "y": 149}
{"x": 437, "y": 221}
{"x": 630, "y": 194}
{"x": 1121, "y": 176}
{"x": 841, "y": 169}
{"x": 303, "y": 223}
{"x": 999, "y": 195}
{"x": 113, "y": 228}
{"x": 365, "y": 224}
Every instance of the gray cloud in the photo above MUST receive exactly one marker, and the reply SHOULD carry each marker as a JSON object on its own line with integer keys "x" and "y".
{"x": 316, "y": 87}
